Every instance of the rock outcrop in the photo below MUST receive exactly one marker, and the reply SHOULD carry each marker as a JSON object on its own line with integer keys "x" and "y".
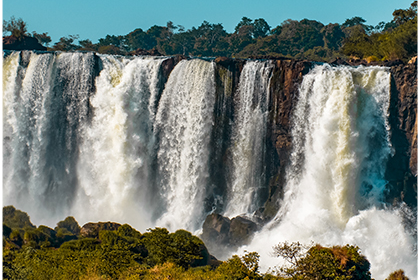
{"x": 25, "y": 43}
{"x": 221, "y": 233}
{"x": 92, "y": 229}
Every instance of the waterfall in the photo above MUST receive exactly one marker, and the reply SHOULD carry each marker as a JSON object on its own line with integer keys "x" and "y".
{"x": 103, "y": 137}
{"x": 183, "y": 126}
{"x": 248, "y": 141}
{"x": 116, "y": 157}
{"x": 45, "y": 101}
{"x": 335, "y": 181}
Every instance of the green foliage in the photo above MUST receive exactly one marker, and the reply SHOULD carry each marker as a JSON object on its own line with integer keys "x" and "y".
{"x": 69, "y": 224}
{"x": 181, "y": 247}
{"x": 15, "y": 218}
{"x": 87, "y": 45}
{"x": 125, "y": 253}
{"x": 402, "y": 16}
{"x": 6, "y": 231}
{"x": 16, "y": 27}
{"x": 397, "y": 275}
{"x": 305, "y": 39}
{"x": 66, "y": 43}
{"x": 86, "y": 244}
{"x": 237, "y": 268}
{"x": 127, "y": 231}
{"x": 42, "y": 38}
{"x": 317, "y": 262}
{"x": 398, "y": 40}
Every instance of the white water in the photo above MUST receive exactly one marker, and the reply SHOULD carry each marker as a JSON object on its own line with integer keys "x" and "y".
{"x": 248, "y": 141}
{"x": 110, "y": 148}
{"x": 117, "y": 151}
{"x": 183, "y": 123}
{"x": 335, "y": 182}
{"x": 44, "y": 103}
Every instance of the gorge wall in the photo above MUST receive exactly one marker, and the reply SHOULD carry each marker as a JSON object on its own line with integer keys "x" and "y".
{"x": 218, "y": 146}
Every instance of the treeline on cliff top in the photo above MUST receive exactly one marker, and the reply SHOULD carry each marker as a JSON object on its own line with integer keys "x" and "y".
{"x": 108, "y": 250}
{"x": 305, "y": 39}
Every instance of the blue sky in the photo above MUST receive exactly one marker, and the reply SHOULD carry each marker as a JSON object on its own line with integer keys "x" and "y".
{"x": 92, "y": 19}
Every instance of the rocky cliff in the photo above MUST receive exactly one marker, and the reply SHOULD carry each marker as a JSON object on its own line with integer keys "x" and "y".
{"x": 401, "y": 172}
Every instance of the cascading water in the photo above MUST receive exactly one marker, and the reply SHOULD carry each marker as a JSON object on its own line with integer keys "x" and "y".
{"x": 335, "y": 181}
{"x": 99, "y": 138}
{"x": 183, "y": 124}
{"x": 116, "y": 157}
{"x": 76, "y": 146}
{"x": 248, "y": 141}
{"x": 45, "y": 101}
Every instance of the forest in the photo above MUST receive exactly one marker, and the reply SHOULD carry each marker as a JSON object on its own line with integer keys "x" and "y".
{"x": 254, "y": 38}
{"x": 112, "y": 251}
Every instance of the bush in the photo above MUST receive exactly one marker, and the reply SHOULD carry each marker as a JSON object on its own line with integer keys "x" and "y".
{"x": 69, "y": 224}
{"x": 397, "y": 275}
{"x": 15, "y": 218}
{"x": 318, "y": 262}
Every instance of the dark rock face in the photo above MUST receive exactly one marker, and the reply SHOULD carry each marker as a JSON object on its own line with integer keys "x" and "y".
{"x": 284, "y": 92}
{"x": 92, "y": 229}
{"x": 221, "y": 233}
{"x": 401, "y": 170}
{"x": 241, "y": 231}
{"x": 216, "y": 229}
{"x": 26, "y": 43}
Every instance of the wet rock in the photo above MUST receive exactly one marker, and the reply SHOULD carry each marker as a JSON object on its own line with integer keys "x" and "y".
{"x": 216, "y": 229}
{"x": 241, "y": 231}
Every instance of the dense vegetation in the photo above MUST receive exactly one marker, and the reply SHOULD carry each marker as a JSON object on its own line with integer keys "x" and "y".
{"x": 113, "y": 251}
{"x": 305, "y": 39}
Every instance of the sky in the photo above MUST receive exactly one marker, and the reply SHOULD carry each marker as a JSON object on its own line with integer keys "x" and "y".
{"x": 93, "y": 19}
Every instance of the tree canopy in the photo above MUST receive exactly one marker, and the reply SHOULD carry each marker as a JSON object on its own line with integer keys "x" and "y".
{"x": 304, "y": 39}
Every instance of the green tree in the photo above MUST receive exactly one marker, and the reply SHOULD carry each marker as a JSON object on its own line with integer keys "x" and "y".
{"x": 66, "y": 43}
{"x": 42, "y": 38}
{"x": 137, "y": 39}
{"x": 261, "y": 28}
{"x": 397, "y": 275}
{"x": 245, "y": 21}
{"x": 402, "y": 16}
{"x": 318, "y": 262}
{"x": 87, "y": 45}
{"x": 206, "y": 38}
{"x": 332, "y": 36}
{"x": 16, "y": 27}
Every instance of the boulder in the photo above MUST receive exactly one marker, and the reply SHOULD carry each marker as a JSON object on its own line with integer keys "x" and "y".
{"x": 241, "y": 231}
{"x": 216, "y": 229}
{"x": 92, "y": 229}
